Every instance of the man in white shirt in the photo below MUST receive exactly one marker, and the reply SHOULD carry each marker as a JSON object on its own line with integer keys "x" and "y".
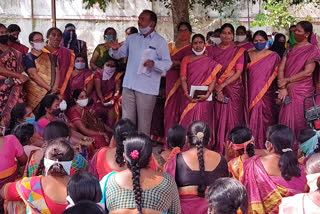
{"x": 148, "y": 57}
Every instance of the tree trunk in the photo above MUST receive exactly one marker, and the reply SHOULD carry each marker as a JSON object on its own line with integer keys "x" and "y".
{"x": 180, "y": 13}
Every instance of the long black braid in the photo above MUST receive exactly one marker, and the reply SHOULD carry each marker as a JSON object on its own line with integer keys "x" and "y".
{"x": 136, "y": 185}
{"x": 202, "y": 187}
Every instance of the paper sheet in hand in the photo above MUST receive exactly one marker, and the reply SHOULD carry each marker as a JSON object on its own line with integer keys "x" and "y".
{"x": 195, "y": 91}
{"x": 148, "y": 54}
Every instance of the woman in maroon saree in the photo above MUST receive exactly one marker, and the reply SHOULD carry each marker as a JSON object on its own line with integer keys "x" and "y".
{"x": 262, "y": 69}
{"x": 11, "y": 79}
{"x": 64, "y": 55}
{"x": 107, "y": 95}
{"x": 81, "y": 78}
{"x": 229, "y": 103}
{"x": 178, "y": 50}
{"x": 270, "y": 178}
{"x": 295, "y": 78}
{"x": 198, "y": 69}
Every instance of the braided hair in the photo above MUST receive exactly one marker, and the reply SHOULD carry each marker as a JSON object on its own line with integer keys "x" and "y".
{"x": 199, "y": 136}
{"x": 122, "y": 130}
{"x": 137, "y": 150}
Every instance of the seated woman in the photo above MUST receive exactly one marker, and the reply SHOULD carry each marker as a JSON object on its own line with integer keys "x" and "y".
{"x": 50, "y": 189}
{"x": 108, "y": 98}
{"x": 81, "y": 78}
{"x": 54, "y": 130}
{"x": 139, "y": 189}
{"x": 309, "y": 144}
{"x": 10, "y": 150}
{"x": 175, "y": 140}
{"x": 239, "y": 149}
{"x": 50, "y": 109}
{"x": 83, "y": 187}
{"x": 276, "y": 175}
{"x": 87, "y": 123}
{"x": 21, "y": 113}
{"x": 305, "y": 202}
{"x": 25, "y": 134}
{"x": 196, "y": 169}
{"x": 227, "y": 196}
{"x": 109, "y": 159}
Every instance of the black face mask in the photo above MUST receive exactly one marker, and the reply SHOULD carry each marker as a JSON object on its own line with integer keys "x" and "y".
{"x": 57, "y": 112}
{"x": 12, "y": 38}
{"x": 4, "y": 39}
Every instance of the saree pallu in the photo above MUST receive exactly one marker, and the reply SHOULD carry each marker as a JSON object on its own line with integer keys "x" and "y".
{"x": 201, "y": 72}
{"x": 108, "y": 114}
{"x": 261, "y": 87}
{"x": 11, "y": 94}
{"x": 265, "y": 192}
{"x": 231, "y": 114}
{"x": 46, "y": 69}
{"x": 173, "y": 89}
{"x": 66, "y": 62}
{"x": 292, "y": 114}
{"x": 235, "y": 167}
{"x": 30, "y": 191}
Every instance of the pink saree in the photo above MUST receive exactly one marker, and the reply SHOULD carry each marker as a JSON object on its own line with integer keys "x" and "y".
{"x": 231, "y": 114}
{"x": 173, "y": 90}
{"x": 261, "y": 96}
{"x": 78, "y": 81}
{"x": 200, "y": 72}
{"x": 292, "y": 115}
{"x": 246, "y": 46}
{"x": 265, "y": 192}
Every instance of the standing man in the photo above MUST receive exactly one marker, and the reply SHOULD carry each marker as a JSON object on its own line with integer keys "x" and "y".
{"x": 148, "y": 57}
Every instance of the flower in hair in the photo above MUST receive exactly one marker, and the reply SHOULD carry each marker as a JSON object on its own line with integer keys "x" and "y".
{"x": 200, "y": 135}
{"x": 134, "y": 154}
{"x": 239, "y": 211}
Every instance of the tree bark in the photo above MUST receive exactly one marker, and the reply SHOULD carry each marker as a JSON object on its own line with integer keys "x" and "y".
{"x": 180, "y": 13}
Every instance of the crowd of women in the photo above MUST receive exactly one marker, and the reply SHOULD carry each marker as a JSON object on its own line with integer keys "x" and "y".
{"x": 234, "y": 106}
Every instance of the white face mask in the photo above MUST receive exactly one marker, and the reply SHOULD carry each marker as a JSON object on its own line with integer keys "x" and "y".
{"x": 144, "y": 30}
{"x": 312, "y": 180}
{"x": 215, "y": 40}
{"x": 108, "y": 72}
{"x": 241, "y": 38}
{"x": 38, "y": 45}
{"x": 65, "y": 164}
{"x": 63, "y": 105}
{"x": 198, "y": 53}
{"x": 83, "y": 103}
{"x": 79, "y": 65}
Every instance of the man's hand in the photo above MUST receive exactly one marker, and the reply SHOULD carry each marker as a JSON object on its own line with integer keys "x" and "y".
{"x": 149, "y": 64}
{"x": 114, "y": 44}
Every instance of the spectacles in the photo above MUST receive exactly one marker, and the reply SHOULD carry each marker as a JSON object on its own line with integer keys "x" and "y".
{"x": 38, "y": 40}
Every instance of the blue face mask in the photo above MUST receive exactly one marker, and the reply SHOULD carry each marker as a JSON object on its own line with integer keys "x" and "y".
{"x": 110, "y": 37}
{"x": 31, "y": 120}
{"x": 260, "y": 45}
